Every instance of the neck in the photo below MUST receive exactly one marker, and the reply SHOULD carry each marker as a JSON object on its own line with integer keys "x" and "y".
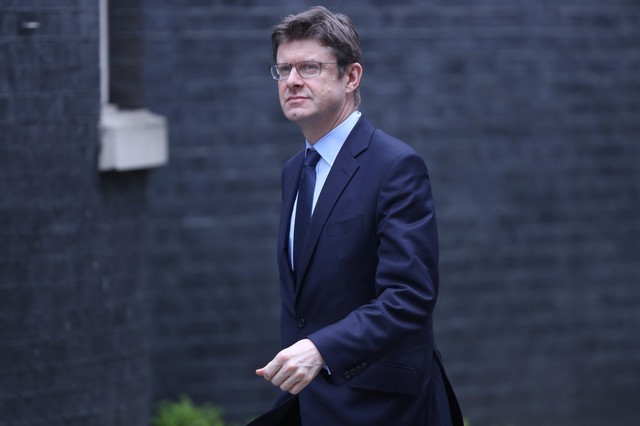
{"x": 317, "y": 129}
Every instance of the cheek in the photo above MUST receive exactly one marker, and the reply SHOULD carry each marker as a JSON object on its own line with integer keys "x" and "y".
{"x": 328, "y": 95}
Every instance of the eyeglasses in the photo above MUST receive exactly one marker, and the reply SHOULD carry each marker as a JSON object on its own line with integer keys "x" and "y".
{"x": 306, "y": 69}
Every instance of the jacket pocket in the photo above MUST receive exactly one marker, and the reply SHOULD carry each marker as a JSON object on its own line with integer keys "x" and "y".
{"x": 388, "y": 378}
{"x": 344, "y": 226}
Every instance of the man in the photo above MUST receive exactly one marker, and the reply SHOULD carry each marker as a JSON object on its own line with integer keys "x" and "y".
{"x": 359, "y": 278}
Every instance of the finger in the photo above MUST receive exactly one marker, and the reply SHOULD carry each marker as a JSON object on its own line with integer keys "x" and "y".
{"x": 281, "y": 376}
{"x": 262, "y": 372}
{"x": 285, "y": 386}
{"x": 269, "y": 371}
{"x": 297, "y": 388}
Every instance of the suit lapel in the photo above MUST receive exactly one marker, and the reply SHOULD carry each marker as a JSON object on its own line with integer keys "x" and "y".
{"x": 341, "y": 173}
{"x": 289, "y": 190}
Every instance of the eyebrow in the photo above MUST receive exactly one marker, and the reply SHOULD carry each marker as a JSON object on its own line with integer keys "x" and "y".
{"x": 304, "y": 60}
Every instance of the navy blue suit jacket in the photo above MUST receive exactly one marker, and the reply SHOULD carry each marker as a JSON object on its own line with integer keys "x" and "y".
{"x": 366, "y": 288}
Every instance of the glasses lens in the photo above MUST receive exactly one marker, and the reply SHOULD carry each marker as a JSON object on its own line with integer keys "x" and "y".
{"x": 308, "y": 69}
{"x": 275, "y": 73}
{"x": 280, "y": 71}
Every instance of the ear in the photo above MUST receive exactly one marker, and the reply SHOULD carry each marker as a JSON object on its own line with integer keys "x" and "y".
{"x": 353, "y": 76}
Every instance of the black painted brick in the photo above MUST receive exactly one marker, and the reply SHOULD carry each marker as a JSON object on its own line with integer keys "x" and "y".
{"x": 74, "y": 325}
{"x": 527, "y": 115}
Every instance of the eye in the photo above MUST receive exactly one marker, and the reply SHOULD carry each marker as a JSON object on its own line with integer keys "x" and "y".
{"x": 284, "y": 69}
{"x": 310, "y": 66}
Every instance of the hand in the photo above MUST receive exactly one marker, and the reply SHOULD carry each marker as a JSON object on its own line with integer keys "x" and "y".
{"x": 293, "y": 368}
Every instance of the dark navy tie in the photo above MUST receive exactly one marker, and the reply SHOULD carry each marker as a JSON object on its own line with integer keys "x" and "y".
{"x": 306, "y": 186}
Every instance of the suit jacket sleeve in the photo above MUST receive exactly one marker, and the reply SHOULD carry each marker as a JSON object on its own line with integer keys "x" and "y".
{"x": 406, "y": 274}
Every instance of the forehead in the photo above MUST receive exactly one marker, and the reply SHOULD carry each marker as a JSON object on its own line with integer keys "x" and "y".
{"x": 303, "y": 50}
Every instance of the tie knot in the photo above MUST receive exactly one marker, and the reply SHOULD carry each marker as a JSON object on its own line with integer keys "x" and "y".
{"x": 312, "y": 157}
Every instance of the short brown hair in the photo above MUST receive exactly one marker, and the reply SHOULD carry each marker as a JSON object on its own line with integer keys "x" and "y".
{"x": 333, "y": 30}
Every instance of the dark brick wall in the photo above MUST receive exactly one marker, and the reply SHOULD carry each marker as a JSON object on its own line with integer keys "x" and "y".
{"x": 74, "y": 325}
{"x": 527, "y": 114}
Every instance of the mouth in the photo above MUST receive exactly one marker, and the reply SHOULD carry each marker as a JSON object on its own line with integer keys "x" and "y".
{"x": 296, "y": 98}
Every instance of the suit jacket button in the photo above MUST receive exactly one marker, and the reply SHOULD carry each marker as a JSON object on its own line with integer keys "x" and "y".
{"x": 301, "y": 323}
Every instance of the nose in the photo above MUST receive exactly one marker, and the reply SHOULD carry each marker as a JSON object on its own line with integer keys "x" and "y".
{"x": 294, "y": 79}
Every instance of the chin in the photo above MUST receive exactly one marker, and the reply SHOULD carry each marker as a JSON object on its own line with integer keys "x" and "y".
{"x": 296, "y": 115}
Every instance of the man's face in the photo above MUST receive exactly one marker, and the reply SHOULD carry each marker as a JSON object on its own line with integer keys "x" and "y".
{"x": 315, "y": 101}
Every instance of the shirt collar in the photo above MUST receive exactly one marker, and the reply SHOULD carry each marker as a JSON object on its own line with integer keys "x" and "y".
{"x": 329, "y": 145}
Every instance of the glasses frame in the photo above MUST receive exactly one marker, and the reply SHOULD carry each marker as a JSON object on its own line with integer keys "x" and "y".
{"x": 276, "y": 75}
